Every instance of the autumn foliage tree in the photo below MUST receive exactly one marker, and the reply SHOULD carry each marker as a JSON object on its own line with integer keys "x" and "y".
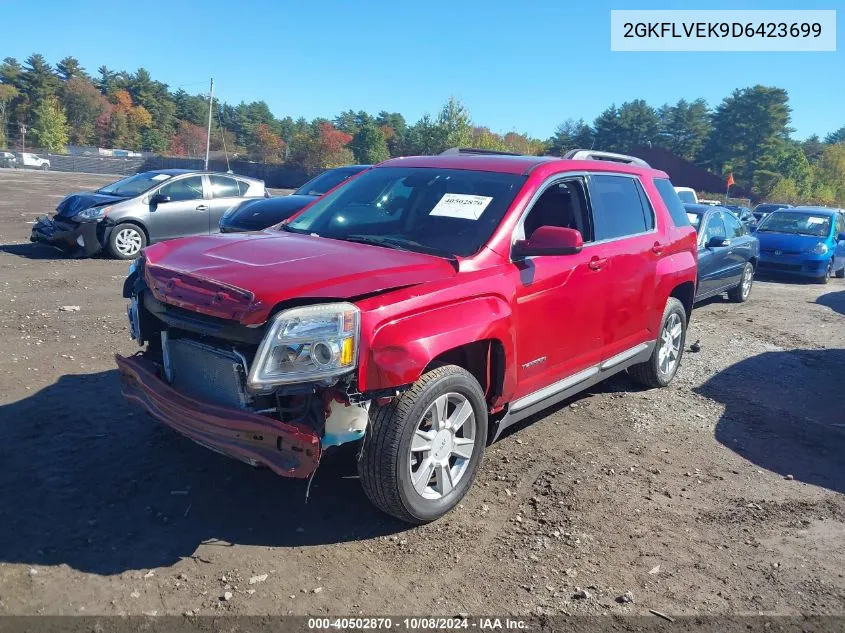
{"x": 189, "y": 140}
{"x": 269, "y": 147}
{"x": 321, "y": 147}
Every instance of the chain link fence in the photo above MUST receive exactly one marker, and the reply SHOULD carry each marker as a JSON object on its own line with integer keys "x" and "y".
{"x": 275, "y": 176}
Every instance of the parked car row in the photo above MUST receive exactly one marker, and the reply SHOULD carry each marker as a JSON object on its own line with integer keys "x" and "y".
{"x": 420, "y": 306}
{"x": 125, "y": 216}
{"x": 23, "y": 160}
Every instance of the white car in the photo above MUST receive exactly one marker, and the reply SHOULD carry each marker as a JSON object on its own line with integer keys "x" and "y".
{"x": 687, "y": 195}
{"x": 33, "y": 161}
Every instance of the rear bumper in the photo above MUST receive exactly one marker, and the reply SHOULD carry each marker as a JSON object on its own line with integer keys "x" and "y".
{"x": 289, "y": 450}
{"x": 81, "y": 239}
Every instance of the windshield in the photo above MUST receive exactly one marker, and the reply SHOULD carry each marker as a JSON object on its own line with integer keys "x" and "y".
{"x": 134, "y": 185}
{"x": 797, "y": 223}
{"x": 443, "y": 212}
{"x": 324, "y": 182}
{"x": 687, "y": 197}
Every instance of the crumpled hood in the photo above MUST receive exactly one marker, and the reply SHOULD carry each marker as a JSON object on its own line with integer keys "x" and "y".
{"x": 254, "y": 215}
{"x": 787, "y": 242}
{"x": 77, "y": 202}
{"x": 243, "y": 276}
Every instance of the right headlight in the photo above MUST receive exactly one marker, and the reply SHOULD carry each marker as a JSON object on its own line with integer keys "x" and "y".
{"x": 819, "y": 249}
{"x": 312, "y": 343}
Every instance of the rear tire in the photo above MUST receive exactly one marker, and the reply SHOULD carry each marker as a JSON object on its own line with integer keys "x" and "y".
{"x": 421, "y": 451}
{"x": 660, "y": 369}
{"x": 126, "y": 241}
{"x": 741, "y": 292}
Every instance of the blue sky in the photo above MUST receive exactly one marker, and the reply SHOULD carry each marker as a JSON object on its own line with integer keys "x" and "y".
{"x": 516, "y": 66}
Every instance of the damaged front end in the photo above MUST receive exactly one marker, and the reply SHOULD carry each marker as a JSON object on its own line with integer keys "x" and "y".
{"x": 273, "y": 395}
{"x": 80, "y": 239}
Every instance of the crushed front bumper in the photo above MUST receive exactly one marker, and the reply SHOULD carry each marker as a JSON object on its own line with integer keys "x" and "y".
{"x": 82, "y": 239}
{"x": 289, "y": 449}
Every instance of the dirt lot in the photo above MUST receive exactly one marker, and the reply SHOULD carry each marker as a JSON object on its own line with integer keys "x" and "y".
{"x": 722, "y": 494}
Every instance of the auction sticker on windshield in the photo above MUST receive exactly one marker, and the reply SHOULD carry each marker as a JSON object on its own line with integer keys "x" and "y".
{"x": 461, "y": 205}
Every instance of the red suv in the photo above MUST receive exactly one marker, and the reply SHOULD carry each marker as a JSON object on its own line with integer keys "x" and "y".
{"x": 422, "y": 307}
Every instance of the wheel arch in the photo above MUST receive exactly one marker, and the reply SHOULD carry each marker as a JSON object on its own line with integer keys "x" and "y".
{"x": 685, "y": 293}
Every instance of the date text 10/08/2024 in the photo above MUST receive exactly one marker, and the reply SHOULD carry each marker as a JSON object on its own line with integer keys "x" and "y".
{"x": 418, "y": 623}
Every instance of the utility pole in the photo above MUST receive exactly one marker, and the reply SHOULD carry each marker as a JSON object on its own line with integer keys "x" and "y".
{"x": 208, "y": 136}
{"x": 23, "y": 138}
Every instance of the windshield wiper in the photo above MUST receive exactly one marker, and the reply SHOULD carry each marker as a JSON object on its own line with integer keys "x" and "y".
{"x": 373, "y": 241}
{"x": 402, "y": 244}
{"x": 288, "y": 229}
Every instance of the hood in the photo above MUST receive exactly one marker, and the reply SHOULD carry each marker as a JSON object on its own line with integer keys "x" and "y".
{"x": 77, "y": 202}
{"x": 787, "y": 242}
{"x": 243, "y": 276}
{"x": 254, "y": 215}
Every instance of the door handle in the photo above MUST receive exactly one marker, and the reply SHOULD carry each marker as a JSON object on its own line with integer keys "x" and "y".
{"x": 597, "y": 263}
{"x": 657, "y": 248}
{"x": 202, "y": 207}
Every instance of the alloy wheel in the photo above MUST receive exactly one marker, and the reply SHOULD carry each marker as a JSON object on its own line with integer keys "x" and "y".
{"x": 747, "y": 276}
{"x": 442, "y": 446}
{"x": 670, "y": 344}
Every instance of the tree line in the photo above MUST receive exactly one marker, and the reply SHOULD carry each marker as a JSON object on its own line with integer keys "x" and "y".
{"x": 747, "y": 134}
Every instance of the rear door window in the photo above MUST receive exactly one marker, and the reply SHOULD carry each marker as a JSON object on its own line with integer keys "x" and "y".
{"x": 223, "y": 187}
{"x": 618, "y": 209}
{"x": 672, "y": 201}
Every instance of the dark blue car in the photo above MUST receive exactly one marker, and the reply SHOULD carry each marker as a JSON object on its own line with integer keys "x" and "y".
{"x": 803, "y": 241}
{"x": 727, "y": 253}
{"x": 252, "y": 216}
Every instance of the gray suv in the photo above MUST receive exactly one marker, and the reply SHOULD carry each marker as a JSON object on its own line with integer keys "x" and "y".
{"x": 149, "y": 207}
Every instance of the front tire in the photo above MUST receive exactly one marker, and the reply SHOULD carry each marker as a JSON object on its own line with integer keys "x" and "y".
{"x": 828, "y": 273}
{"x": 423, "y": 449}
{"x": 659, "y": 370}
{"x": 840, "y": 274}
{"x": 126, "y": 241}
{"x": 740, "y": 293}
{"x": 45, "y": 167}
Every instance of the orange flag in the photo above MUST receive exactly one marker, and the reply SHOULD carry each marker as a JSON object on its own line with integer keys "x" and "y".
{"x": 730, "y": 179}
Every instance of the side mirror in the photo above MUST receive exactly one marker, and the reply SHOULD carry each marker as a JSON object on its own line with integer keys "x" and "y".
{"x": 840, "y": 237}
{"x": 159, "y": 198}
{"x": 718, "y": 242}
{"x": 549, "y": 240}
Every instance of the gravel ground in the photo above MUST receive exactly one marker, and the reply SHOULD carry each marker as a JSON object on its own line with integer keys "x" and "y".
{"x": 722, "y": 494}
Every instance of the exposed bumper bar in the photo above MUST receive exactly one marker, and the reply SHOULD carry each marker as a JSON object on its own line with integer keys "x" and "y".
{"x": 290, "y": 450}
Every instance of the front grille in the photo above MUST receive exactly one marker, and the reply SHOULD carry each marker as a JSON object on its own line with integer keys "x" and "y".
{"x": 773, "y": 251}
{"x": 206, "y": 373}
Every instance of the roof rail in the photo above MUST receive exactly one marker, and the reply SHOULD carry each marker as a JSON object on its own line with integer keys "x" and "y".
{"x": 588, "y": 154}
{"x": 475, "y": 150}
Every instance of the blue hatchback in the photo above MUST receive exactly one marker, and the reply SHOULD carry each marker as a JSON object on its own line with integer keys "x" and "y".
{"x": 805, "y": 241}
